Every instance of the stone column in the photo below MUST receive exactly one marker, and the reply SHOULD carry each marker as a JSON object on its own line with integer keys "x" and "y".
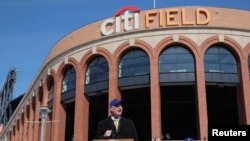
{"x": 243, "y": 96}
{"x": 113, "y": 83}
{"x": 81, "y": 110}
{"x": 155, "y": 99}
{"x": 201, "y": 100}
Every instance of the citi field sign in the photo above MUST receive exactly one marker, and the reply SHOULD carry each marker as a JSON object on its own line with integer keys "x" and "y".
{"x": 128, "y": 18}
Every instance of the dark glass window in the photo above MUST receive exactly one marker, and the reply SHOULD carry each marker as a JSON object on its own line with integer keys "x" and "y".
{"x": 134, "y": 62}
{"x": 51, "y": 89}
{"x": 69, "y": 80}
{"x": 97, "y": 70}
{"x": 176, "y": 59}
{"x": 220, "y": 60}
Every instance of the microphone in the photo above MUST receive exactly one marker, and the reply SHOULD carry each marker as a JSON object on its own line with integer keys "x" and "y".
{"x": 112, "y": 128}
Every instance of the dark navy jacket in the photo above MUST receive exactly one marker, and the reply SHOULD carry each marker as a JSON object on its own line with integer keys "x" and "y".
{"x": 126, "y": 129}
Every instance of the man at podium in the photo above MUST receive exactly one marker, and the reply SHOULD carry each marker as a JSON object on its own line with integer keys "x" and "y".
{"x": 116, "y": 126}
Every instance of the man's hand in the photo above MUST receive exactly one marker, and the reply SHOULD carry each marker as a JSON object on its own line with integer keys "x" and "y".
{"x": 107, "y": 133}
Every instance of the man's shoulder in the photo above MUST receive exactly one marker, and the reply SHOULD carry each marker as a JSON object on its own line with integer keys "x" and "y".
{"x": 127, "y": 120}
{"x": 104, "y": 120}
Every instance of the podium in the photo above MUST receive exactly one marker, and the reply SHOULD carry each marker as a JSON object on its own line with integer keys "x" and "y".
{"x": 113, "y": 140}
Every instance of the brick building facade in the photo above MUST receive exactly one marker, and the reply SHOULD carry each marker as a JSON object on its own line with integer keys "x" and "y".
{"x": 179, "y": 72}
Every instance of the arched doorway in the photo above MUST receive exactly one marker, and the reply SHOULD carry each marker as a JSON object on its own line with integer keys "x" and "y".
{"x": 67, "y": 100}
{"x": 134, "y": 80}
{"x": 50, "y": 87}
{"x": 178, "y": 93}
{"x": 96, "y": 89}
{"x": 222, "y": 84}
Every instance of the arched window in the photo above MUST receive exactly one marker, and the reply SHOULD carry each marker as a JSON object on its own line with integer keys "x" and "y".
{"x": 133, "y": 63}
{"x": 97, "y": 75}
{"x": 97, "y": 70}
{"x": 134, "y": 68}
{"x": 176, "y": 59}
{"x": 67, "y": 100}
{"x": 176, "y": 64}
{"x": 220, "y": 60}
{"x": 50, "y": 86}
{"x": 69, "y": 80}
{"x": 220, "y": 65}
{"x": 40, "y": 93}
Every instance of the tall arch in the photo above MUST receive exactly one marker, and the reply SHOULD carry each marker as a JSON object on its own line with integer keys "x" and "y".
{"x": 96, "y": 89}
{"x": 200, "y": 85}
{"x": 50, "y": 88}
{"x": 93, "y": 98}
{"x": 68, "y": 91}
{"x": 221, "y": 70}
{"x": 132, "y": 61}
{"x": 178, "y": 91}
{"x": 34, "y": 112}
{"x": 64, "y": 100}
{"x": 242, "y": 88}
